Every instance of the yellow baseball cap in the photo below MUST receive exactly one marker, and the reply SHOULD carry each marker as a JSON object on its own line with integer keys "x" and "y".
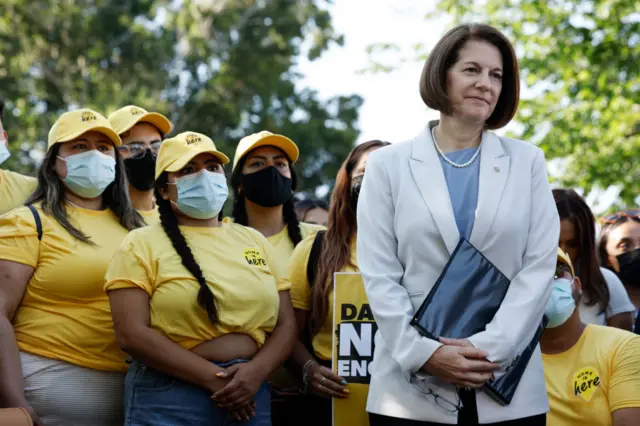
{"x": 265, "y": 138}
{"x": 72, "y": 124}
{"x": 125, "y": 118}
{"x": 564, "y": 258}
{"x": 177, "y": 151}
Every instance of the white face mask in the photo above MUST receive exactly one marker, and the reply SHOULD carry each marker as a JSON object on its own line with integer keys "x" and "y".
{"x": 561, "y": 303}
{"x": 4, "y": 152}
{"x": 89, "y": 173}
{"x": 201, "y": 195}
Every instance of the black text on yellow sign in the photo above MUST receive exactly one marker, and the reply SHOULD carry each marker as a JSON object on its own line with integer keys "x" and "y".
{"x": 353, "y": 347}
{"x": 356, "y": 336}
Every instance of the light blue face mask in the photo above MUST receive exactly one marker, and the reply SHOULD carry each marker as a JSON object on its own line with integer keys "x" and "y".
{"x": 4, "y": 152}
{"x": 561, "y": 304}
{"x": 201, "y": 195}
{"x": 89, "y": 173}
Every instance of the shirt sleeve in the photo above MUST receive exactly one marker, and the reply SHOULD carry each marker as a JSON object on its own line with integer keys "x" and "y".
{"x": 300, "y": 288}
{"x": 310, "y": 229}
{"x": 19, "y": 237}
{"x": 14, "y": 189}
{"x": 624, "y": 385}
{"x": 129, "y": 269}
{"x": 277, "y": 269}
{"x": 619, "y": 301}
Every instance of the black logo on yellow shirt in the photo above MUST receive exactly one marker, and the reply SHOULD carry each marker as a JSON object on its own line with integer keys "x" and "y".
{"x": 254, "y": 257}
{"x": 585, "y": 383}
{"x": 193, "y": 138}
{"x": 88, "y": 116}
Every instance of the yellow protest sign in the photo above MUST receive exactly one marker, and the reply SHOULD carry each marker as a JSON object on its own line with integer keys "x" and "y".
{"x": 353, "y": 343}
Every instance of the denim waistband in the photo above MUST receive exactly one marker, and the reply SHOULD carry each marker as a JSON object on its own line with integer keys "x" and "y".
{"x": 139, "y": 365}
{"x": 154, "y": 397}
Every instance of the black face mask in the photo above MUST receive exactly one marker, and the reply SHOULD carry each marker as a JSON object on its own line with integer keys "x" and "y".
{"x": 356, "y": 185}
{"x": 141, "y": 171}
{"x": 267, "y": 188}
{"x": 630, "y": 267}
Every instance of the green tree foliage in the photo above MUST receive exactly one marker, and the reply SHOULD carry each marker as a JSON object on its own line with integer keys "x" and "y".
{"x": 224, "y": 68}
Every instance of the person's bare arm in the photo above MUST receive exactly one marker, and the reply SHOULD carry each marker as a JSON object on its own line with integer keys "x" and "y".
{"x": 131, "y": 318}
{"x": 323, "y": 381}
{"x": 300, "y": 354}
{"x": 14, "y": 278}
{"x": 626, "y": 416}
{"x": 279, "y": 344}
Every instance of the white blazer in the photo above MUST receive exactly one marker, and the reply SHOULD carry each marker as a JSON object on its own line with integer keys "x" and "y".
{"x": 406, "y": 234}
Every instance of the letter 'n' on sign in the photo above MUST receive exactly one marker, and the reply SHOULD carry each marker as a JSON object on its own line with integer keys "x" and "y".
{"x": 353, "y": 347}
{"x": 356, "y": 338}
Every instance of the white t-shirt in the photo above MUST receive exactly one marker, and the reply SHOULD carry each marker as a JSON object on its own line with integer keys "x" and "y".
{"x": 618, "y": 303}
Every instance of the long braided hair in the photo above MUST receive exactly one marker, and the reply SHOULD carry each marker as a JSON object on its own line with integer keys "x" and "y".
{"x": 239, "y": 211}
{"x": 170, "y": 224}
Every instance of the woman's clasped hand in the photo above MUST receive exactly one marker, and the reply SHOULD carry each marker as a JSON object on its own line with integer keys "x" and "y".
{"x": 241, "y": 383}
{"x": 459, "y": 363}
{"x": 244, "y": 381}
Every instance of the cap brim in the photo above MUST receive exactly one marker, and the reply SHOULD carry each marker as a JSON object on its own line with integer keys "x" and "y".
{"x": 107, "y": 131}
{"x": 564, "y": 262}
{"x": 278, "y": 141}
{"x": 178, "y": 164}
{"x": 158, "y": 120}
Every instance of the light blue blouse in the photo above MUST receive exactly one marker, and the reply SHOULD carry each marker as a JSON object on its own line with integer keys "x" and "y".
{"x": 463, "y": 188}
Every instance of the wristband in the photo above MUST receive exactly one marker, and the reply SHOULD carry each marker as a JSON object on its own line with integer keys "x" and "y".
{"x": 306, "y": 385}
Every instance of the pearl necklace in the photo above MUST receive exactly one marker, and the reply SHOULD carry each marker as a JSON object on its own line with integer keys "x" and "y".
{"x": 444, "y": 157}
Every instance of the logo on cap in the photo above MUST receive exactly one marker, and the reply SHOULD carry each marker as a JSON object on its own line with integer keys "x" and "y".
{"x": 88, "y": 116}
{"x": 136, "y": 111}
{"x": 193, "y": 138}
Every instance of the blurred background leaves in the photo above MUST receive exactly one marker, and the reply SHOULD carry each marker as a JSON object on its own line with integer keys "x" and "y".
{"x": 224, "y": 68}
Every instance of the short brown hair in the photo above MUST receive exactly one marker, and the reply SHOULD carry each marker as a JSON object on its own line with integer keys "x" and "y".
{"x": 445, "y": 54}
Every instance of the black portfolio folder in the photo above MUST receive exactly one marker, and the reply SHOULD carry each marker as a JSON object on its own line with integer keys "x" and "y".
{"x": 463, "y": 301}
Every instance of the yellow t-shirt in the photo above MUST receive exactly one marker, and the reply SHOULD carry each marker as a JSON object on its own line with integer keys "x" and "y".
{"x": 151, "y": 217}
{"x": 284, "y": 247}
{"x": 14, "y": 189}
{"x": 283, "y": 244}
{"x": 65, "y": 314}
{"x": 238, "y": 264}
{"x": 598, "y": 375}
{"x": 301, "y": 293}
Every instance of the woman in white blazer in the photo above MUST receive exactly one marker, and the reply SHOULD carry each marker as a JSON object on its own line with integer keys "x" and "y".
{"x": 419, "y": 197}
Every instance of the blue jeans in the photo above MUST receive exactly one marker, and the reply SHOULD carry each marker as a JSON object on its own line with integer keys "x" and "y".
{"x": 153, "y": 398}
